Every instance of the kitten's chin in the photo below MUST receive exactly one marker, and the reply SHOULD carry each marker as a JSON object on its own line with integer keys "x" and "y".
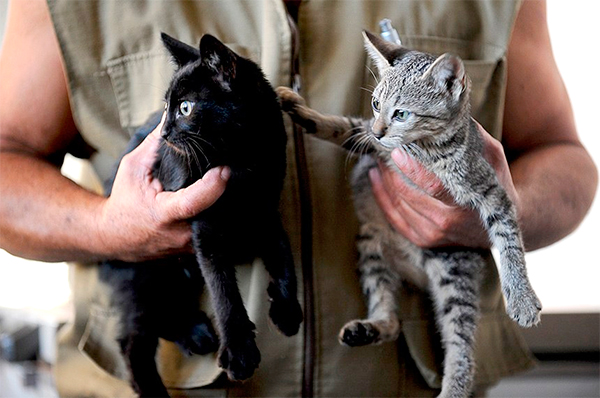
{"x": 172, "y": 147}
{"x": 386, "y": 145}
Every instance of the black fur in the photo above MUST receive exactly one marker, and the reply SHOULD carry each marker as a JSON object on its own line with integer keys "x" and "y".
{"x": 235, "y": 120}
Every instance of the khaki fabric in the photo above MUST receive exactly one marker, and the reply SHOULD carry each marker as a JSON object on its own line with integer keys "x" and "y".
{"x": 118, "y": 72}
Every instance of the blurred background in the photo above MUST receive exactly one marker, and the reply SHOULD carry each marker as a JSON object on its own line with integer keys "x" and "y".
{"x": 35, "y": 297}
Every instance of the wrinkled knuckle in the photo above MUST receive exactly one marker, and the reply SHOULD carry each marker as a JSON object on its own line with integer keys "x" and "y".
{"x": 398, "y": 226}
{"x": 160, "y": 218}
{"x": 419, "y": 241}
{"x": 397, "y": 202}
{"x": 444, "y": 224}
{"x": 127, "y": 161}
{"x": 497, "y": 145}
{"x": 433, "y": 237}
{"x": 496, "y": 154}
{"x": 187, "y": 208}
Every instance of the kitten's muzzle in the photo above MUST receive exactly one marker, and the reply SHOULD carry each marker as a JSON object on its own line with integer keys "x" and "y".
{"x": 379, "y": 128}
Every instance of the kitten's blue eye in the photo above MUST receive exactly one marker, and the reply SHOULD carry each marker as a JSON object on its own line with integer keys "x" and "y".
{"x": 401, "y": 115}
{"x": 186, "y": 108}
{"x": 375, "y": 104}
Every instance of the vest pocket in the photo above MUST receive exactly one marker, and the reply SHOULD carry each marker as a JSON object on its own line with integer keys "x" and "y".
{"x": 505, "y": 352}
{"x": 140, "y": 81}
{"x": 99, "y": 342}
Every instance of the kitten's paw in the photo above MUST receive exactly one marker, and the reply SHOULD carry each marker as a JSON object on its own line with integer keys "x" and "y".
{"x": 202, "y": 340}
{"x": 289, "y": 99}
{"x": 523, "y": 307}
{"x": 286, "y": 315}
{"x": 285, "y": 312}
{"x": 364, "y": 332}
{"x": 240, "y": 358}
{"x": 359, "y": 333}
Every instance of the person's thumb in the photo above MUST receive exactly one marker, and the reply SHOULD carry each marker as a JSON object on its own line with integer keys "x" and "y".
{"x": 192, "y": 200}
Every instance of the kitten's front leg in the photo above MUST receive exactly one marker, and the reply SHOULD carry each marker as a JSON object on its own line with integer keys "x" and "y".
{"x": 238, "y": 354}
{"x": 139, "y": 349}
{"x": 340, "y": 130}
{"x": 500, "y": 220}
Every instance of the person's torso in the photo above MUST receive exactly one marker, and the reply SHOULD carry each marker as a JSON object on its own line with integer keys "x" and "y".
{"x": 118, "y": 73}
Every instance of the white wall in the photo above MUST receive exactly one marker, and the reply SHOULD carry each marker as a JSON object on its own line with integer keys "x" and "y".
{"x": 566, "y": 275}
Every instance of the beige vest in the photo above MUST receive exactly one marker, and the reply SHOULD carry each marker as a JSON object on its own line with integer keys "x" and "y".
{"x": 118, "y": 71}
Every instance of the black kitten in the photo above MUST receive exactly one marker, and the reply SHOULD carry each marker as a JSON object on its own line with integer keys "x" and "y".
{"x": 220, "y": 111}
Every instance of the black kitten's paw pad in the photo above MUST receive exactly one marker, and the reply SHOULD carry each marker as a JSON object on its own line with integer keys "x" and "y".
{"x": 286, "y": 315}
{"x": 524, "y": 307}
{"x": 359, "y": 333}
{"x": 288, "y": 99}
{"x": 240, "y": 359}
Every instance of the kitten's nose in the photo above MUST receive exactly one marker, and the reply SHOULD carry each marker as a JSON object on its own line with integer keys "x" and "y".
{"x": 379, "y": 128}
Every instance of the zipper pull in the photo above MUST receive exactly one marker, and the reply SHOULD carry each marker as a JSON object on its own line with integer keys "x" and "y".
{"x": 297, "y": 83}
{"x": 388, "y": 32}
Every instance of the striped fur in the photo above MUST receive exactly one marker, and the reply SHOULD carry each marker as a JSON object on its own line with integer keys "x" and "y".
{"x": 440, "y": 134}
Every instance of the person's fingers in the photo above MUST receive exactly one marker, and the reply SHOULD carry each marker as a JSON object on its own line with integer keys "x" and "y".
{"x": 145, "y": 153}
{"x": 192, "y": 200}
{"x": 422, "y": 178}
{"x": 391, "y": 207}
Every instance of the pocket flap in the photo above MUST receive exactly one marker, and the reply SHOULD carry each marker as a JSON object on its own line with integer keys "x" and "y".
{"x": 140, "y": 81}
{"x": 505, "y": 352}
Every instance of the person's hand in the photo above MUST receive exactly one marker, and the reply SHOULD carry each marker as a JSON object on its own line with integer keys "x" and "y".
{"x": 425, "y": 213}
{"x": 141, "y": 221}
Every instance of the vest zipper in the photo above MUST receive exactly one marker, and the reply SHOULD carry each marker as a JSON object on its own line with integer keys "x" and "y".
{"x": 306, "y": 224}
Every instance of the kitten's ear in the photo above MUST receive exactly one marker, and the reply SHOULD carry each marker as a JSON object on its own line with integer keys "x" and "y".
{"x": 181, "y": 53}
{"x": 219, "y": 59}
{"x": 382, "y": 52}
{"x": 448, "y": 72}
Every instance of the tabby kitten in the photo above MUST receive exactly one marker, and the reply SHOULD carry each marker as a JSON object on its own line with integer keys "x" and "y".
{"x": 220, "y": 110}
{"x": 421, "y": 105}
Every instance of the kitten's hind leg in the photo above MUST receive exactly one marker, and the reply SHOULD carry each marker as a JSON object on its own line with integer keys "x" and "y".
{"x": 285, "y": 311}
{"x": 380, "y": 283}
{"x": 454, "y": 278}
{"x": 192, "y": 328}
{"x": 199, "y": 337}
{"x": 139, "y": 350}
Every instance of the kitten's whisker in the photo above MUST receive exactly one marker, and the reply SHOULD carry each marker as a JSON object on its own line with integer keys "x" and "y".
{"x": 188, "y": 159}
{"x": 373, "y": 74}
{"x": 366, "y": 143}
{"x": 414, "y": 149}
{"x": 351, "y": 136}
{"x": 359, "y": 147}
{"x": 198, "y": 138}
{"x": 197, "y": 145}
{"x": 193, "y": 159}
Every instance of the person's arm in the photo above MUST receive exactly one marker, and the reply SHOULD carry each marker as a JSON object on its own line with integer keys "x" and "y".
{"x": 549, "y": 175}
{"x": 553, "y": 173}
{"x": 45, "y": 216}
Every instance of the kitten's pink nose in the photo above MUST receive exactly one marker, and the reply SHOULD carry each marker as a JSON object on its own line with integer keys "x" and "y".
{"x": 379, "y": 128}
